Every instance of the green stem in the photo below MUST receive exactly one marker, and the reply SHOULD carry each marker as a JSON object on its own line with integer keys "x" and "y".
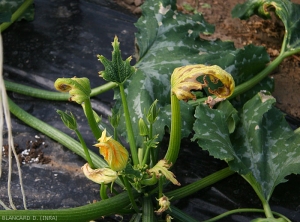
{"x": 129, "y": 129}
{"x": 179, "y": 215}
{"x": 115, "y": 134}
{"x": 267, "y": 209}
{"x": 103, "y": 193}
{"x": 84, "y": 213}
{"x": 153, "y": 152}
{"x": 131, "y": 196}
{"x": 175, "y": 133}
{"x": 148, "y": 211}
{"x": 160, "y": 186}
{"x": 200, "y": 184}
{"x": 50, "y": 95}
{"x": 91, "y": 119}
{"x": 16, "y": 15}
{"x": 244, "y": 210}
{"x": 256, "y": 79}
{"x": 146, "y": 156}
{"x": 86, "y": 150}
{"x": 256, "y": 187}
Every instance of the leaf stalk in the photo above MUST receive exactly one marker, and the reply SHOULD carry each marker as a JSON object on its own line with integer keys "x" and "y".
{"x": 129, "y": 129}
{"x": 175, "y": 133}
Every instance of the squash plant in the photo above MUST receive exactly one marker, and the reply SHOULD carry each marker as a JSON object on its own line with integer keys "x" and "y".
{"x": 245, "y": 130}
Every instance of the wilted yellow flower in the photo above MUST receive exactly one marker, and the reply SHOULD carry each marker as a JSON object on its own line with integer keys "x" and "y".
{"x": 162, "y": 167}
{"x": 184, "y": 79}
{"x": 164, "y": 204}
{"x": 113, "y": 152}
{"x": 102, "y": 175}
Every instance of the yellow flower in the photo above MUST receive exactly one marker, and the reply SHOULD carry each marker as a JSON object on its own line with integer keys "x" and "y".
{"x": 102, "y": 175}
{"x": 162, "y": 167}
{"x": 113, "y": 152}
{"x": 184, "y": 79}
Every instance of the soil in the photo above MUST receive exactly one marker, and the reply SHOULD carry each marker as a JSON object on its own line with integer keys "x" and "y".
{"x": 267, "y": 33}
{"x": 32, "y": 152}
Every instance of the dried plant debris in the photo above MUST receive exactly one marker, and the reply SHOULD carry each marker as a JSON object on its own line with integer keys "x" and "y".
{"x": 32, "y": 153}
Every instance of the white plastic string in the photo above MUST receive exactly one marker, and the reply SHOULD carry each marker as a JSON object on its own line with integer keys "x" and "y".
{"x": 4, "y": 108}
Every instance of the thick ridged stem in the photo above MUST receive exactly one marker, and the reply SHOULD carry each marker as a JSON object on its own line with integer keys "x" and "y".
{"x": 175, "y": 133}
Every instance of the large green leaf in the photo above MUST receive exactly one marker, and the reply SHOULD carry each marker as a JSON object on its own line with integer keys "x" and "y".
{"x": 167, "y": 39}
{"x": 287, "y": 11}
{"x": 263, "y": 144}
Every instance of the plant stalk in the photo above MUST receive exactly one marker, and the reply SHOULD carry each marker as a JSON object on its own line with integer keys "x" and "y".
{"x": 50, "y": 95}
{"x": 200, "y": 184}
{"x": 146, "y": 156}
{"x": 175, "y": 133}
{"x": 251, "y": 180}
{"x": 148, "y": 211}
{"x": 91, "y": 119}
{"x": 88, "y": 212}
{"x": 180, "y": 216}
{"x": 103, "y": 194}
{"x": 86, "y": 150}
{"x": 129, "y": 129}
{"x": 243, "y": 210}
{"x": 131, "y": 196}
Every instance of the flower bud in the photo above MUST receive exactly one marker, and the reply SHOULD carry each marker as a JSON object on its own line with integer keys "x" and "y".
{"x": 114, "y": 119}
{"x": 102, "y": 175}
{"x": 152, "y": 112}
{"x": 144, "y": 131}
{"x": 68, "y": 119}
{"x": 79, "y": 88}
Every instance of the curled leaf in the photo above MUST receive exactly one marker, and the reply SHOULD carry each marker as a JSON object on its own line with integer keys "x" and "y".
{"x": 113, "y": 152}
{"x": 79, "y": 88}
{"x": 184, "y": 79}
{"x": 102, "y": 175}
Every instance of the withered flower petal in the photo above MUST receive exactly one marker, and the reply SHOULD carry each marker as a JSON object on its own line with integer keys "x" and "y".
{"x": 102, "y": 175}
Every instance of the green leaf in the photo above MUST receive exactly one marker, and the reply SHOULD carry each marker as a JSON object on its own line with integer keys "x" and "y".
{"x": 167, "y": 39}
{"x": 116, "y": 70}
{"x": 287, "y": 11}
{"x": 263, "y": 143}
{"x": 212, "y": 132}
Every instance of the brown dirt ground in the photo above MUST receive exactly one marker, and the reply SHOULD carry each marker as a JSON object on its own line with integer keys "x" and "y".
{"x": 257, "y": 31}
